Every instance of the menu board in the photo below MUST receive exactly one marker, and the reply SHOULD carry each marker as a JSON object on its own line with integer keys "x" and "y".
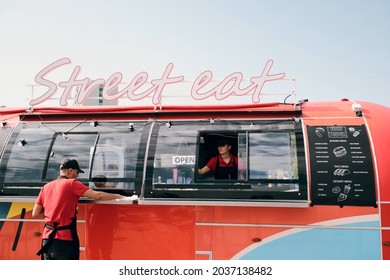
{"x": 341, "y": 166}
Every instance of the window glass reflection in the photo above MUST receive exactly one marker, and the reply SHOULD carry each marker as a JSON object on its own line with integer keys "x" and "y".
{"x": 75, "y": 146}
{"x": 28, "y": 153}
{"x": 271, "y": 156}
{"x": 115, "y": 159}
{"x": 4, "y": 132}
{"x": 175, "y": 155}
{"x": 36, "y": 150}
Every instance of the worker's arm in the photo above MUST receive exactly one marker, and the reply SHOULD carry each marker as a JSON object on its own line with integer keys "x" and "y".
{"x": 38, "y": 212}
{"x": 203, "y": 170}
{"x": 98, "y": 195}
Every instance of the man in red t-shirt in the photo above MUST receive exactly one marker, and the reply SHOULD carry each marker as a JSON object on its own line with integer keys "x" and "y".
{"x": 224, "y": 165}
{"x": 56, "y": 203}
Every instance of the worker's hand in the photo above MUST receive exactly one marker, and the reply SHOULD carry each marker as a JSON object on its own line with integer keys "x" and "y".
{"x": 133, "y": 198}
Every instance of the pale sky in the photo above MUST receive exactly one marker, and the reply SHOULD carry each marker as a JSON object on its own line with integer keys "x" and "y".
{"x": 334, "y": 49}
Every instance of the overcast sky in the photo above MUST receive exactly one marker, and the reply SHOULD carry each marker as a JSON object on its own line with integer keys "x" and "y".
{"x": 334, "y": 49}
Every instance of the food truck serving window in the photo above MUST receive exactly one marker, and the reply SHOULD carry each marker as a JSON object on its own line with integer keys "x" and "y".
{"x": 267, "y": 161}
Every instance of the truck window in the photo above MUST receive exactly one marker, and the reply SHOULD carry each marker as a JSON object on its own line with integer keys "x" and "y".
{"x": 109, "y": 150}
{"x": 24, "y": 159}
{"x": 174, "y": 157}
{"x": 70, "y": 145}
{"x": 4, "y": 133}
{"x": 117, "y": 158}
{"x": 268, "y": 154}
{"x": 273, "y": 156}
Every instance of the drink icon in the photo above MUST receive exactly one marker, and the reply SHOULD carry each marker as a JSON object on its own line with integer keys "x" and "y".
{"x": 347, "y": 188}
{"x": 354, "y": 132}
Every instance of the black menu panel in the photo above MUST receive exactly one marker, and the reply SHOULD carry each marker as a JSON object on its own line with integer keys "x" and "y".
{"x": 341, "y": 166}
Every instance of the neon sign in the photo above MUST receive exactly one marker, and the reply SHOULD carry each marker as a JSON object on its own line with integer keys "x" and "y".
{"x": 231, "y": 85}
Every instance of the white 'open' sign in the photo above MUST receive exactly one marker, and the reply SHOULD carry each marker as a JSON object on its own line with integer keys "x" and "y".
{"x": 183, "y": 160}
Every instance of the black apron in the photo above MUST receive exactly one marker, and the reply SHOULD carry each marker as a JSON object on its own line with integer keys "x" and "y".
{"x": 73, "y": 229}
{"x": 228, "y": 172}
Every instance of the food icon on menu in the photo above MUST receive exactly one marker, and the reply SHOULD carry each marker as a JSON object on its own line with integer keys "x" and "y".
{"x": 341, "y": 172}
{"x": 320, "y": 131}
{"x": 340, "y": 151}
{"x": 342, "y": 197}
{"x": 336, "y": 189}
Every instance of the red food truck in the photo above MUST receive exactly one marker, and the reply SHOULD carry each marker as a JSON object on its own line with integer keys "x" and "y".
{"x": 313, "y": 180}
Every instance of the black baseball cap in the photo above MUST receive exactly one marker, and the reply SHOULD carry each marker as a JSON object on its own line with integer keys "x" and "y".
{"x": 223, "y": 141}
{"x": 71, "y": 163}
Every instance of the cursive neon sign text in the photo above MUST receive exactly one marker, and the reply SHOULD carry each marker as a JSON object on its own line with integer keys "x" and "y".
{"x": 231, "y": 85}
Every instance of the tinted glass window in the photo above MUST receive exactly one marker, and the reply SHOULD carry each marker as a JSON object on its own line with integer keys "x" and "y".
{"x": 71, "y": 145}
{"x": 4, "y": 133}
{"x": 174, "y": 159}
{"x": 273, "y": 156}
{"x": 109, "y": 151}
{"x": 117, "y": 157}
{"x": 27, "y": 153}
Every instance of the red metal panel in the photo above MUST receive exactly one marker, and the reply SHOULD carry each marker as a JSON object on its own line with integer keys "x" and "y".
{"x": 385, "y": 215}
{"x": 377, "y": 117}
{"x": 385, "y": 222}
{"x": 386, "y": 244}
{"x": 20, "y": 240}
{"x": 139, "y": 232}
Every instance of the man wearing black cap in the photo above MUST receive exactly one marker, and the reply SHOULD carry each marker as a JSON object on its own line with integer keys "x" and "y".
{"x": 224, "y": 165}
{"x": 56, "y": 203}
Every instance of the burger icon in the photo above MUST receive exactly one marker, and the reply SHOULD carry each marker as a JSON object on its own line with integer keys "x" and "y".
{"x": 340, "y": 151}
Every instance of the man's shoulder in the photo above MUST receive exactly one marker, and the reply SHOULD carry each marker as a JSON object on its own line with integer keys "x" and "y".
{"x": 51, "y": 183}
{"x": 76, "y": 182}
{"x": 64, "y": 181}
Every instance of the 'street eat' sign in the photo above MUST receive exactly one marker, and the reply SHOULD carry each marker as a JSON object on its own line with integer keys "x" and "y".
{"x": 201, "y": 89}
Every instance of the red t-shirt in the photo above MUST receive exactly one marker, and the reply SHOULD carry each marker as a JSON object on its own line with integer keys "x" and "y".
{"x": 213, "y": 162}
{"x": 59, "y": 199}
